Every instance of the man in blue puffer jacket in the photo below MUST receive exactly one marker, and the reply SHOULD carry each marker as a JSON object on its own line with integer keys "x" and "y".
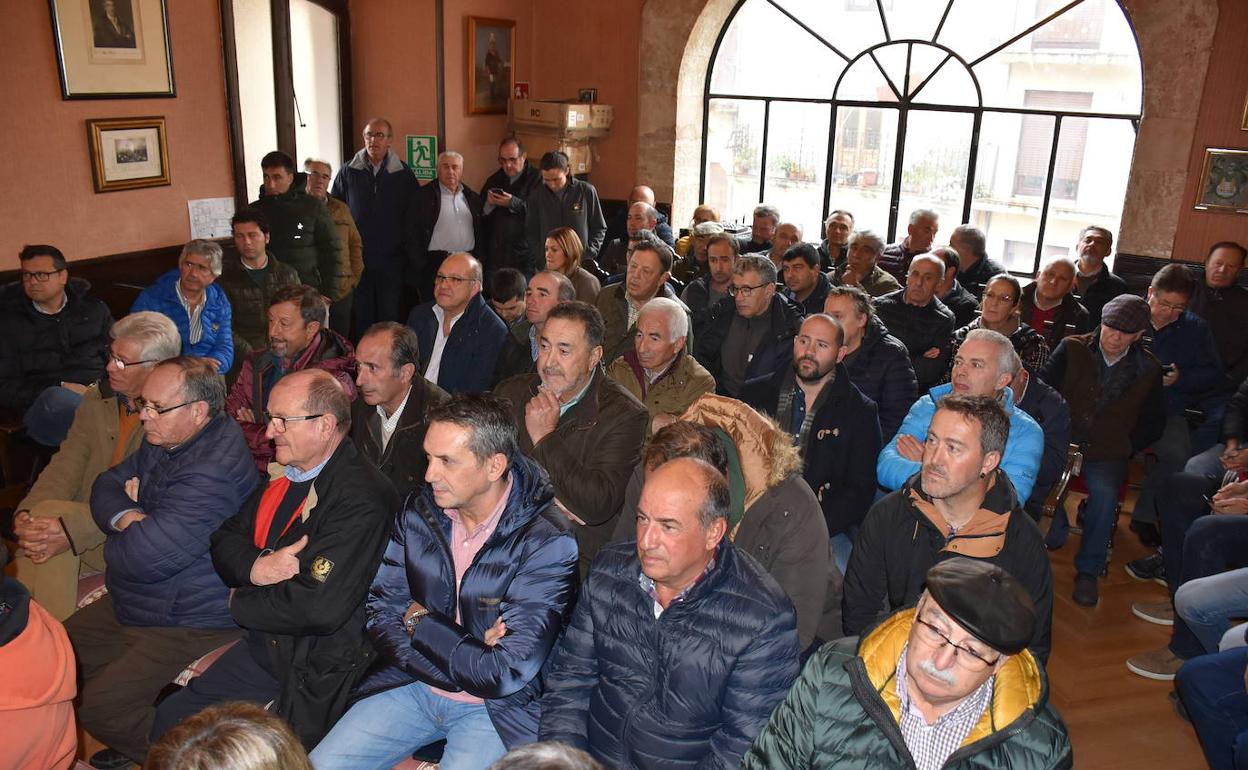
{"x": 165, "y": 606}
{"x": 680, "y": 645}
{"x": 474, "y": 589}
{"x": 983, "y": 369}
{"x": 189, "y": 296}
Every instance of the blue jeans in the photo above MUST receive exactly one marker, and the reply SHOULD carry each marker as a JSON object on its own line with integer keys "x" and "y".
{"x": 1213, "y": 546}
{"x": 1208, "y": 463}
{"x": 47, "y": 420}
{"x": 384, "y": 729}
{"x": 1103, "y": 478}
{"x": 842, "y": 547}
{"x": 1207, "y": 604}
{"x": 1212, "y": 689}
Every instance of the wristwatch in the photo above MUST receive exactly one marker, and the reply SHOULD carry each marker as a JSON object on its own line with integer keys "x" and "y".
{"x": 409, "y": 624}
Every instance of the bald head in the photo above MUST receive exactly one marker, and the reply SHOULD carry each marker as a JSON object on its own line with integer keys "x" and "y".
{"x": 458, "y": 280}
{"x": 818, "y": 348}
{"x": 641, "y": 193}
{"x": 311, "y": 415}
{"x": 923, "y": 279}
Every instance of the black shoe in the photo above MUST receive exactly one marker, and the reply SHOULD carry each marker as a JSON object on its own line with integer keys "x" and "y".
{"x": 1086, "y": 592}
{"x": 1148, "y": 568}
{"x": 110, "y": 759}
{"x": 1148, "y": 533}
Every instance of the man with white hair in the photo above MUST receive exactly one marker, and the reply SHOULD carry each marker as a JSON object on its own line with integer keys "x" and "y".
{"x": 787, "y": 236}
{"x": 199, "y": 308}
{"x": 657, "y": 369}
{"x": 762, "y": 230}
{"x": 861, "y": 266}
{"x": 946, "y": 684}
{"x": 445, "y": 218}
{"x": 53, "y": 522}
{"x": 984, "y": 366}
{"x": 1048, "y": 306}
{"x": 920, "y": 234}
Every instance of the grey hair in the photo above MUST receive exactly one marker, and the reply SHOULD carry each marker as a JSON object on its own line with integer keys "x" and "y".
{"x": 1008, "y": 361}
{"x": 868, "y": 239}
{"x": 767, "y": 210}
{"x": 200, "y": 382}
{"x": 831, "y": 214}
{"x": 205, "y": 248}
{"x": 486, "y": 416}
{"x": 545, "y": 755}
{"x": 566, "y": 291}
{"x": 154, "y": 331}
{"x": 755, "y": 263}
{"x": 326, "y": 396}
{"x": 994, "y": 423}
{"x": 404, "y": 344}
{"x": 451, "y": 154}
{"x": 309, "y": 161}
{"x": 1098, "y": 229}
{"x": 652, "y": 214}
{"x": 974, "y": 238}
{"x": 677, "y": 318}
{"x": 706, "y": 229}
{"x": 918, "y": 214}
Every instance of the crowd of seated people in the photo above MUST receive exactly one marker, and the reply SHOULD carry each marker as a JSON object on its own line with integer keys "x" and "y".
{"x": 606, "y": 503}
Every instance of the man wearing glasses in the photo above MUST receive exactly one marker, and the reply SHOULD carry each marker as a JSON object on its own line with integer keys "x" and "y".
{"x": 53, "y": 522}
{"x": 959, "y": 504}
{"x": 946, "y": 684}
{"x": 54, "y": 344}
{"x": 166, "y": 605}
{"x": 507, "y": 191}
{"x": 749, "y": 336}
{"x": 460, "y": 336}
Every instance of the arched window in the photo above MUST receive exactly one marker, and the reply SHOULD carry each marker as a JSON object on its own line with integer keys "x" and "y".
{"x": 1018, "y": 116}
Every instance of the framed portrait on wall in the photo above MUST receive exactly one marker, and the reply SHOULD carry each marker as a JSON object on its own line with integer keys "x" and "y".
{"x": 491, "y": 56}
{"x": 1224, "y": 181}
{"x": 112, "y": 49}
{"x": 128, "y": 153}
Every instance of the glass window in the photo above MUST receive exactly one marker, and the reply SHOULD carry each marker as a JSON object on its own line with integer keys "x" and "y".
{"x": 256, "y": 95}
{"x": 734, "y": 142}
{"x": 314, "y": 69}
{"x": 797, "y": 161}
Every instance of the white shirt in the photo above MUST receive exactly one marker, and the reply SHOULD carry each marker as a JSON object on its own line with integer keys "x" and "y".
{"x": 439, "y": 342}
{"x": 453, "y": 230}
{"x": 389, "y": 424}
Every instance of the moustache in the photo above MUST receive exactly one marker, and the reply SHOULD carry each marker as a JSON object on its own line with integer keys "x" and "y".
{"x": 946, "y": 677}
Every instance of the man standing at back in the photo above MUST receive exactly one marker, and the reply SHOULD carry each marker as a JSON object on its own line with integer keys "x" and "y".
{"x": 445, "y": 220}
{"x": 1095, "y": 284}
{"x": 250, "y": 281}
{"x": 378, "y": 187}
{"x": 350, "y": 245}
{"x": 301, "y": 233}
{"x": 507, "y": 192}
{"x": 564, "y": 201}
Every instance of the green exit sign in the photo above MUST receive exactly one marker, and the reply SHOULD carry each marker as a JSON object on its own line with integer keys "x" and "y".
{"x": 422, "y": 156}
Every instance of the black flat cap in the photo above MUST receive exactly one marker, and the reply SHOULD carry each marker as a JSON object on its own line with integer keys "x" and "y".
{"x": 985, "y": 600}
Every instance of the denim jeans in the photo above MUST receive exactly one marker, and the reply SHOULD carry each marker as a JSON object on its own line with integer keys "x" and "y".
{"x": 1213, "y": 546}
{"x": 47, "y": 420}
{"x": 1207, "y": 604}
{"x": 384, "y": 729}
{"x": 1103, "y": 479}
{"x": 1208, "y": 463}
{"x": 1212, "y": 689}
{"x": 842, "y": 547}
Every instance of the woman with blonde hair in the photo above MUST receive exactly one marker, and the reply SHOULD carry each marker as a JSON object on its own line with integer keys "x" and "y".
{"x": 229, "y": 736}
{"x": 563, "y": 255}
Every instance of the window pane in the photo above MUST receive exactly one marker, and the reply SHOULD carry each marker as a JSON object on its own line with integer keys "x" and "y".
{"x": 797, "y": 160}
{"x": 862, "y": 171}
{"x": 734, "y": 141}
{"x": 951, "y": 82}
{"x": 850, "y": 25}
{"x": 749, "y": 62}
{"x": 937, "y": 151}
{"x": 253, "y": 36}
{"x": 864, "y": 81}
{"x": 915, "y": 19}
{"x": 1104, "y": 166}
{"x": 1008, "y": 189}
{"x": 314, "y": 59}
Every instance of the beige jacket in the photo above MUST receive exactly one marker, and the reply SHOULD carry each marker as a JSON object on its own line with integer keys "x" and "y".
{"x": 350, "y": 248}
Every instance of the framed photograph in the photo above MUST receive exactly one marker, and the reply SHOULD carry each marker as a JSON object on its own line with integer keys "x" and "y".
{"x": 587, "y": 95}
{"x": 128, "y": 153}
{"x": 1224, "y": 181}
{"x": 491, "y": 54}
{"x": 112, "y": 49}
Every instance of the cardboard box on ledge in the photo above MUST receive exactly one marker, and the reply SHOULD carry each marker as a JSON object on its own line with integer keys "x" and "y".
{"x": 572, "y": 120}
{"x": 579, "y": 152}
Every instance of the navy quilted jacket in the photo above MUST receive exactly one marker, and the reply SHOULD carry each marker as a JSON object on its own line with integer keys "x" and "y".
{"x": 690, "y": 689}
{"x": 160, "y": 572}
{"x": 526, "y": 571}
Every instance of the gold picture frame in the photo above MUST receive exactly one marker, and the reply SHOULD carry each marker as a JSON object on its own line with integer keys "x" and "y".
{"x": 1224, "y": 181}
{"x": 491, "y": 57}
{"x": 112, "y": 49}
{"x": 128, "y": 153}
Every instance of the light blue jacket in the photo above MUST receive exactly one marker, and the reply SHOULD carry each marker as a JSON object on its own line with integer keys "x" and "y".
{"x": 1023, "y": 449}
{"x": 216, "y": 340}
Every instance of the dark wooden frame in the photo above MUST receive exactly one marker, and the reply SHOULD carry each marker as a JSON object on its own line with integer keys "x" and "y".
{"x": 470, "y": 61}
{"x": 59, "y": 43}
{"x": 1203, "y": 203}
{"x": 95, "y": 129}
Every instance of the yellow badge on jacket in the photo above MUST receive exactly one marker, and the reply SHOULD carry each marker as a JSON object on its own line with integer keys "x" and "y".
{"x": 321, "y": 567}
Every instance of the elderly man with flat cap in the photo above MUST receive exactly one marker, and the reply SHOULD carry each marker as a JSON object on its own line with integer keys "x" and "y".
{"x": 948, "y": 684}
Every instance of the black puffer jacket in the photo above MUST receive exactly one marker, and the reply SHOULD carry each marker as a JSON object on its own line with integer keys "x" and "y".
{"x": 38, "y": 351}
{"x": 303, "y": 235}
{"x": 774, "y": 354}
{"x": 249, "y": 302}
{"x": 881, "y": 369}
{"x": 690, "y": 689}
{"x": 920, "y": 329}
{"x": 505, "y": 241}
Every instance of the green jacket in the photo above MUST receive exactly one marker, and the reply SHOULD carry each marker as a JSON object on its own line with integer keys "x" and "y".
{"x": 843, "y": 712}
{"x": 250, "y": 302}
{"x": 302, "y": 234}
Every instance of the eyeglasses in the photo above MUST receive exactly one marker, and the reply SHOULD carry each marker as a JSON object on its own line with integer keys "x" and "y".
{"x": 744, "y": 291}
{"x": 970, "y": 660}
{"x": 280, "y": 422}
{"x": 156, "y": 411}
{"x": 123, "y": 364}
{"x": 998, "y": 297}
{"x": 40, "y": 276}
{"x": 375, "y": 135}
{"x": 1170, "y": 305}
{"x": 453, "y": 280}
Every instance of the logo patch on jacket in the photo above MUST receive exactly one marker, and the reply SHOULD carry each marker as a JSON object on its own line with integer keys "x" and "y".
{"x": 321, "y": 567}
{"x": 578, "y": 206}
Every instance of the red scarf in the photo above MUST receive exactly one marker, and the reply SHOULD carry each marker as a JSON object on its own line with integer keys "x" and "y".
{"x": 269, "y": 502}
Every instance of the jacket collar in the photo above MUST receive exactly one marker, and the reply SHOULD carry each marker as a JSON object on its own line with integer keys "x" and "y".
{"x": 531, "y": 493}
{"x": 984, "y": 535}
{"x": 390, "y": 165}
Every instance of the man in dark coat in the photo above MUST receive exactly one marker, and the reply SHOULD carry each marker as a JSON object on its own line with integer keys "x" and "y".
{"x": 507, "y": 192}
{"x": 1042, "y": 403}
{"x": 166, "y": 605}
{"x": 388, "y": 419}
{"x": 584, "y": 428}
{"x": 564, "y": 201}
{"x": 921, "y": 321}
{"x": 378, "y": 187}
{"x": 920, "y": 234}
{"x": 963, "y": 304}
{"x": 1095, "y": 284}
{"x": 55, "y": 343}
{"x": 473, "y": 592}
{"x": 803, "y": 281}
{"x": 1048, "y": 306}
{"x": 975, "y": 267}
{"x": 250, "y": 281}
{"x": 749, "y": 336}
{"x": 680, "y": 646}
{"x": 1223, "y": 303}
{"x": 959, "y": 504}
{"x": 298, "y": 557}
{"x": 301, "y": 232}
{"x": 445, "y": 219}
{"x": 619, "y": 228}
{"x": 459, "y": 334}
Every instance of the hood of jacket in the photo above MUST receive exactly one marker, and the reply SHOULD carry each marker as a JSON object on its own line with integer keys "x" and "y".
{"x": 391, "y": 164}
{"x": 531, "y": 493}
{"x": 984, "y": 535}
{"x": 299, "y": 186}
{"x": 768, "y": 455}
